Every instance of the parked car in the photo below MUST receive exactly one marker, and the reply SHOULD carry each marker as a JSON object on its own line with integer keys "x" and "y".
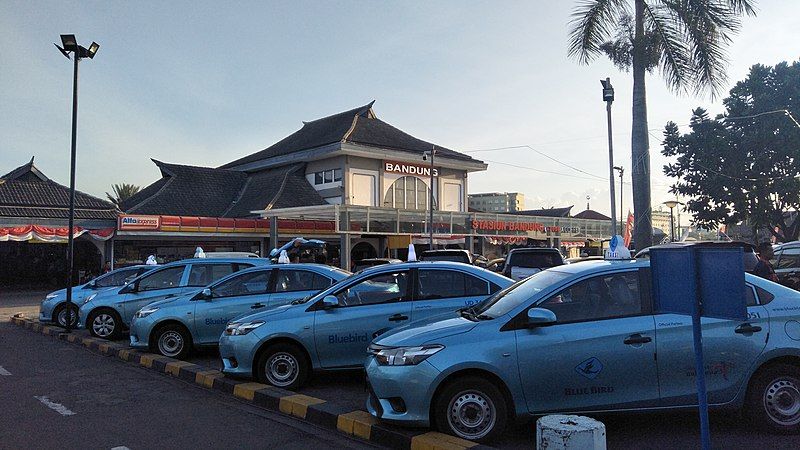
{"x": 578, "y": 259}
{"x": 750, "y": 258}
{"x": 524, "y": 262}
{"x": 450, "y": 254}
{"x": 107, "y": 313}
{"x": 54, "y": 308}
{"x": 230, "y": 255}
{"x": 582, "y": 338}
{"x": 332, "y": 329}
{"x": 362, "y": 264}
{"x": 174, "y": 326}
{"x": 787, "y": 264}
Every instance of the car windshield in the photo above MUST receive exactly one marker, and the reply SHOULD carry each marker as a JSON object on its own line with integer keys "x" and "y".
{"x": 514, "y": 295}
{"x": 535, "y": 260}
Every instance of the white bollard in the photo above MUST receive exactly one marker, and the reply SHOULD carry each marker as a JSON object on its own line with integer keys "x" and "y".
{"x": 570, "y": 432}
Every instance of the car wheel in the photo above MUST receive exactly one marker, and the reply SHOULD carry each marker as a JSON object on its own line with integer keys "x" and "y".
{"x": 284, "y": 366}
{"x": 773, "y": 399}
{"x": 60, "y": 316}
{"x": 471, "y": 408}
{"x": 105, "y": 324}
{"x": 173, "y": 341}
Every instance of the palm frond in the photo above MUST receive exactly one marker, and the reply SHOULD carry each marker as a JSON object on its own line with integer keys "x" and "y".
{"x": 672, "y": 50}
{"x": 591, "y": 25}
{"x": 742, "y": 7}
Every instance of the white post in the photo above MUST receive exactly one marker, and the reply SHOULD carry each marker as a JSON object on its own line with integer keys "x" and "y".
{"x": 570, "y": 432}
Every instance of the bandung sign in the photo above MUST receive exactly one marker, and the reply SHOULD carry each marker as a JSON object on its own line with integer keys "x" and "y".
{"x": 501, "y": 225}
{"x": 409, "y": 169}
{"x": 139, "y": 222}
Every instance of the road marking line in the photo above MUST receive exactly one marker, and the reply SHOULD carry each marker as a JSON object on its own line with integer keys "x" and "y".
{"x": 57, "y": 407}
{"x": 4, "y": 372}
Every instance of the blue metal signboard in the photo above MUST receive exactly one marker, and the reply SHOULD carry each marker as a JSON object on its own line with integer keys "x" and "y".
{"x": 701, "y": 281}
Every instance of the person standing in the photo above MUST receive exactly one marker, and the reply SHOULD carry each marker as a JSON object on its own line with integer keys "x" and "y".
{"x": 764, "y": 268}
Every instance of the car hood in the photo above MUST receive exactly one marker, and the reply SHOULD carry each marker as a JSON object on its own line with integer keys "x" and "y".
{"x": 269, "y": 314}
{"x": 425, "y": 331}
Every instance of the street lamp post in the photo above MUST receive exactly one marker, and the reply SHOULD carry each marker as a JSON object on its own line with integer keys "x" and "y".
{"x": 432, "y": 153}
{"x": 671, "y": 204}
{"x": 70, "y": 45}
{"x": 608, "y": 97}
{"x": 621, "y": 216}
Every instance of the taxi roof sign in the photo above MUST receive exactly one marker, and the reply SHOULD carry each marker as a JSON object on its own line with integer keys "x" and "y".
{"x": 616, "y": 249}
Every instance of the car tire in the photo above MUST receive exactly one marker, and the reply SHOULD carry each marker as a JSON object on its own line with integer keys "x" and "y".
{"x": 60, "y": 315}
{"x": 172, "y": 340}
{"x": 471, "y": 408}
{"x": 283, "y": 365}
{"x": 105, "y": 324}
{"x": 773, "y": 399}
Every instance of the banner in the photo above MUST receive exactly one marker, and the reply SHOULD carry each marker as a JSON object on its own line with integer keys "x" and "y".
{"x": 50, "y": 234}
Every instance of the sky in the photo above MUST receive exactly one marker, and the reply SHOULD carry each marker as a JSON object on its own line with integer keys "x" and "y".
{"x": 204, "y": 83}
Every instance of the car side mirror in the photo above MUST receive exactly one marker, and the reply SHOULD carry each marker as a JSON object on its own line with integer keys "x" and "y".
{"x": 330, "y": 301}
{"x": 205, "y": 294}
{"x": 92, "y": 284}
{"x": 540, "y": 317}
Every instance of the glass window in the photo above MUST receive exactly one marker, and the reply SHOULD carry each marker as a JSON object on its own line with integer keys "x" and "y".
{"x": 749, "y": 295}
{"x": 116, "y": 278}
{"x": 435, "y": 284}
{"x": 520, "y": 292}
{"x": 789, "y": 259}
{"x": 300, "y": 280}
{"x": 162, "y": 279}
{"x": 244, "y": 284}
{"x": 379, "y": 288}
{"x": 205, "y": 274}
{"x": 318, "y": 178}
{"x": 329, "y": 176}
{"x": 400, "y": 193}
{"x": 601, "y": 297}
{"x": 535, "y": 260}
{"x": 337, "y": 174}
{"x": 407, "y": 193}
{"x": 411, "y": 193}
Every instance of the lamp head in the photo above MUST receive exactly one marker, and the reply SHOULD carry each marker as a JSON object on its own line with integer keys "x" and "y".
{"x": 69, "y": 42}
{"x": 608, "y": 90}
{"x": 92, "y": 50}
{"x": 672, "y": 203}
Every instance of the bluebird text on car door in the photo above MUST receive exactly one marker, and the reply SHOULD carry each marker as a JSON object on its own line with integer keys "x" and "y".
{"x": 599, "y": 353}
{"x": 371, "y": 305}
{"x": 233, "y": 297}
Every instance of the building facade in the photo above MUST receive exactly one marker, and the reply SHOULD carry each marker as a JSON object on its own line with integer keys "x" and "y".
{"x": 497, "y": 202}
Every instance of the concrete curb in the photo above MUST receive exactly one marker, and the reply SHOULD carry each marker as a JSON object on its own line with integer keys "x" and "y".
{"x": 359, "y": 424}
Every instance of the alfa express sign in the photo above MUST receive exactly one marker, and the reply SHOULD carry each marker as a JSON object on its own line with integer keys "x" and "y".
{"x": 409, "y": 169}
{"x": 139, "y": 222}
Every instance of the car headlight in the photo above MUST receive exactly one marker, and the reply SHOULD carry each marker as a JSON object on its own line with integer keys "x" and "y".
{"x": 239, "y": 329}
{"x": 405, "y": 356}
{"x": 50, "y": 296}
{"x": 146, "y": 311}
{"x": 89, "y": 298}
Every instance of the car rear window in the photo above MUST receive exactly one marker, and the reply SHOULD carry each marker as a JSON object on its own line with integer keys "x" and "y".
{"x": 535, "y": 260}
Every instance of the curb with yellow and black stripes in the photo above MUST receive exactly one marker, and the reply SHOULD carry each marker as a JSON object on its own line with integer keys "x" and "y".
{"x": 325, "y": 414}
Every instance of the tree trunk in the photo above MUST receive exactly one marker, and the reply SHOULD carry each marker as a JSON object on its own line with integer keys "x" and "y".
{"x": 640, "y": 145}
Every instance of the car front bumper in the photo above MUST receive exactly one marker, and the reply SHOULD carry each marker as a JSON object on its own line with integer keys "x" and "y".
{"x": 140, "y": 332}
{"x": 401, "y": 394}
{"x": 237, "y": 353}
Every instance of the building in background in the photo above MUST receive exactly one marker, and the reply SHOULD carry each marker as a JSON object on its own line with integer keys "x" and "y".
{"x": 500, "y": 202}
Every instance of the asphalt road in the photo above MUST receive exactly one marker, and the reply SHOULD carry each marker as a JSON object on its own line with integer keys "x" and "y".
{"x": 56, "y": 395}
{"x": 126, "y": 401}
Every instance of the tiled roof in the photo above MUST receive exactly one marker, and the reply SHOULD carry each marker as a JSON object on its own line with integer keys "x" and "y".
{"x": 358, "y": 126}
{"x": 26, "y": 192}
{"x": 591, "y": 214}
{"x": 210, "y": 192}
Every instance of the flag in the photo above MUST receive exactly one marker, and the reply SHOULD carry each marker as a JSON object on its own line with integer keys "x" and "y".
{"x": 626, "y": 235}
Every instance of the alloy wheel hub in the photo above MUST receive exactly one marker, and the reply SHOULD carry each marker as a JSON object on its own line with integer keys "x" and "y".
{"x": 103, "y": 325}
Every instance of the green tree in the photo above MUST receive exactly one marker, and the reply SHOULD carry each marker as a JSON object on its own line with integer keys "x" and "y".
{"x": 685, "y": 39}
{"x": 744, "y": 165}
{"x": 122, "y": 192}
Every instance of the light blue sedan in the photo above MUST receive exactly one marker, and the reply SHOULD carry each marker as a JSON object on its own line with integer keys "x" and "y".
{"x": 108, "y": 313}
{"x": 583, "y": 338}
{"x": 172, "y": 327}
{"x": 332, "y": 329}
{"x": 53, "y": 307}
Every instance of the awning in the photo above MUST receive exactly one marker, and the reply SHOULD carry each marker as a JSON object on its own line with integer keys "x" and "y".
{"x": 501, "y": 240}
{"x": 437, "y": 240}
{"x": 50, "y": 234}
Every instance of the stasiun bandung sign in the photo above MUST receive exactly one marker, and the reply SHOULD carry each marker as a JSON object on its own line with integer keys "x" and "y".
{"x": 502, "y": 225}
{"x": 409, "y": 169}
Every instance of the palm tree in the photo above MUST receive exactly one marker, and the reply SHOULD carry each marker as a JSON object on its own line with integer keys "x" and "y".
{"x": 684, "y": 39}
{"x": 122, "y": 192}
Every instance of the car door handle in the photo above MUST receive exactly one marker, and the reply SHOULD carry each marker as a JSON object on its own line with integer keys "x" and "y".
{"x": 397, "y": 318}
{"x": 746, "y": 328}
{"x": 636, "y": 339}
{"x": 257, "y": 305}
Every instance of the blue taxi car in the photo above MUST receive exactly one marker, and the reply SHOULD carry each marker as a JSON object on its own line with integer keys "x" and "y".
{"x": 53, "y": 307}
{"x": 583, "y": 338}
{"x": 172, "y": 327}
{"x": 332, "y": 329}
{"x": 108, "y": 313}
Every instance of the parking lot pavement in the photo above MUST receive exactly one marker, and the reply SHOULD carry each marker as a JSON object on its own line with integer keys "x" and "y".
{"x": 56, "y": 395}
{"x": 27, "y": 302}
